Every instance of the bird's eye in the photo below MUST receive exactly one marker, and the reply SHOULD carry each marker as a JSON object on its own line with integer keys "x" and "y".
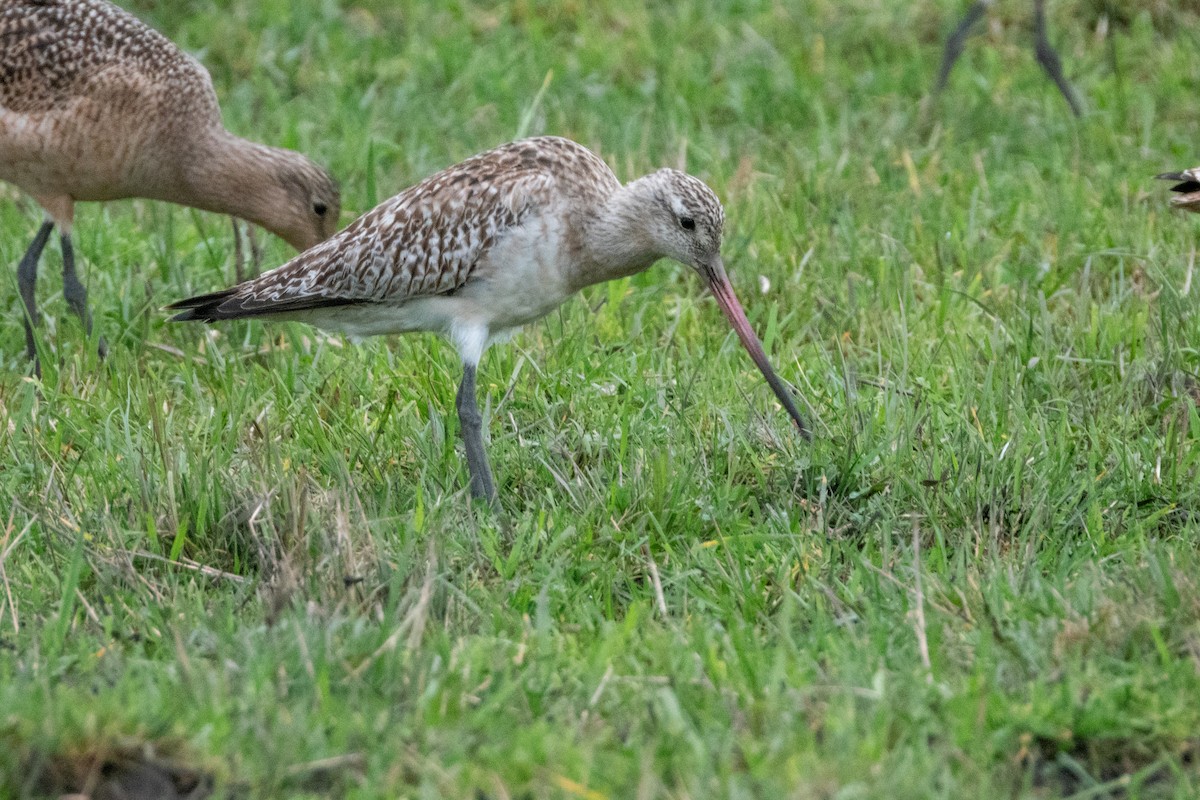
{"x": 687, "y": 223}
{"x": 319, "y": 208}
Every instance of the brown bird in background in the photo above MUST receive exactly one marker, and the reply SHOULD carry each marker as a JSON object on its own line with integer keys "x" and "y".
{"x": 95, "y": 105}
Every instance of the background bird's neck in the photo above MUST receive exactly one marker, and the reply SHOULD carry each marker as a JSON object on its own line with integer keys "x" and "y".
{"x": 231, "y": 175}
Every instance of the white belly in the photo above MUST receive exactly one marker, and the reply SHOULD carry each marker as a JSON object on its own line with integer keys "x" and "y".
{"x": 518, "y": 281}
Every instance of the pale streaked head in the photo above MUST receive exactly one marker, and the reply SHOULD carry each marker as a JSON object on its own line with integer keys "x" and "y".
{"x": 684, "y": 220}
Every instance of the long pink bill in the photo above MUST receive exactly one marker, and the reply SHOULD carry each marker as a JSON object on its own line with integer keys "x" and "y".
{"x": 718, "y": 282}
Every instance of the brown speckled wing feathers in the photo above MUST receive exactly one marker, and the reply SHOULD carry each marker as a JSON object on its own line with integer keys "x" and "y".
{"x": 425, "y": 241}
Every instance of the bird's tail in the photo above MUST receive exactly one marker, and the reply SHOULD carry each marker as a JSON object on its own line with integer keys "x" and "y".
{"x": 1187, "y": 188}
{"x": 1187, "y": 180}
{"x": 206, "y": 307}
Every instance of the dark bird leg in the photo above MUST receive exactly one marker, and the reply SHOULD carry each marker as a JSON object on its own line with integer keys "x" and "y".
{"x": 255, "y": 250}
{"x": 76, "y": 293}
{"x": 957, "y": 41}
{"x": 471, "y": 422}
{"x": 1048, "y": 57}
{"x": 239, "y": 258}
{"x": 27, "y": 283}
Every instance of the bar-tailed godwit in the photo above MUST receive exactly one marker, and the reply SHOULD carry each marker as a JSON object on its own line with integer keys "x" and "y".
{"x": 488, "y": 245}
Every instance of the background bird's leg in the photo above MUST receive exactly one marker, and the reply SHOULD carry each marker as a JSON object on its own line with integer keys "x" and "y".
{"x": 471, "y": 422}
{"x": 76, "y": 293}
{"x": 255, "y": 251}
{"x": 957, "y": 40}
{"x": 27, "y": 282}
{"x": 239, "y": 258}
{"x": 1048, "y": 57}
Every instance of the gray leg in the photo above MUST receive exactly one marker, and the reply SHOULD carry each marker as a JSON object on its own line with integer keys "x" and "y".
{"x": 27, "y": 281}
{"x": 471, "y": 422}
{"x": 1048, "y": 57}
{"x": 75, "y": 292}
{"x": 958, "y": 40}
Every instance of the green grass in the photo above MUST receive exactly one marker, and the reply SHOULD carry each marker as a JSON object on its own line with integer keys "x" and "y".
{"x": 987, "y": 305}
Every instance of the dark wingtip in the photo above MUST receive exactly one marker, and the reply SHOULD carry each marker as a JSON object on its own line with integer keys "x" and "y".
{"x": 192, "y": 315}
{"x": 201, "y": 308}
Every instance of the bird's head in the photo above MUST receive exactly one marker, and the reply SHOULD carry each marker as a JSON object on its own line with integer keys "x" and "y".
{"x": 680, "y": 217}
{"x": 308, "y": 211}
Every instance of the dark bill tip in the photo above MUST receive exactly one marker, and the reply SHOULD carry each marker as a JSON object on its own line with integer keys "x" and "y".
{"x": 718, "y": 283}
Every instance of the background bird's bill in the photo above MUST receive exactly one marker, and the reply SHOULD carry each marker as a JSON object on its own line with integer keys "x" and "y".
{"x": 718, "y": 283}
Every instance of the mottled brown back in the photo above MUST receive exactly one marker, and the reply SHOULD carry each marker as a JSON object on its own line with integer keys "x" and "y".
{"x": 54, "y": 50}
{"x": 428, "y": 239}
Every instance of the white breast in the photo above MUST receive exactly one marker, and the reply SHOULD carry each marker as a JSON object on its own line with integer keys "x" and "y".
{"x": 520, "y": 279}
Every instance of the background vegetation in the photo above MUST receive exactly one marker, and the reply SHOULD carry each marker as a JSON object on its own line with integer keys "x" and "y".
{"x": 248, "y": 549}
